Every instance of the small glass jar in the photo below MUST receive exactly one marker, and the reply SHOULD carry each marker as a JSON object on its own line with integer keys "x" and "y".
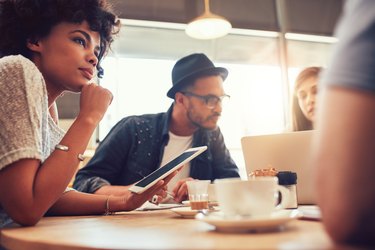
{"x": 288, "y": 180}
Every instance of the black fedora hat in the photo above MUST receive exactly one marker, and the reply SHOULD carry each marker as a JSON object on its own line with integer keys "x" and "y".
{"x": 191, "y": 67}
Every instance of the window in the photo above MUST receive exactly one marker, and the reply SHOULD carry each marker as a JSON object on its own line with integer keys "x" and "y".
{"x": 138, "y": 72}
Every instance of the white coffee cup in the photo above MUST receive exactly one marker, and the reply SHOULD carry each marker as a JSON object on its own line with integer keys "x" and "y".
{"x": 254, "y": 197}
{"x": 211, "y": 193}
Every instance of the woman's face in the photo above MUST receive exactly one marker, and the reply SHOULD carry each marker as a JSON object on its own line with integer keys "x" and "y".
{"x": 67, "y": 57}
{"x": 306, "y": 94}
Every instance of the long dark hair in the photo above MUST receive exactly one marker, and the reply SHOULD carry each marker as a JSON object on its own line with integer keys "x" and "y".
{"x": 23, "y": 20}
{"x": 300, "y": 122}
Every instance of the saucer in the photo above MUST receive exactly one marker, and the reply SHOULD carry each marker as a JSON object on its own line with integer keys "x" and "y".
{"x": 185, "y": 212}
{"x": 210, "y": 203}
{"x": 249, "y": 224}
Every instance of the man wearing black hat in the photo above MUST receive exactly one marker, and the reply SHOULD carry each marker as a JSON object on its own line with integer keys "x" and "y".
{"x": 137, "y": 145}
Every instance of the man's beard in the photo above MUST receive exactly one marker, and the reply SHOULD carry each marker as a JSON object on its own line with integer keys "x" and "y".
{"x": 200, "y": 125}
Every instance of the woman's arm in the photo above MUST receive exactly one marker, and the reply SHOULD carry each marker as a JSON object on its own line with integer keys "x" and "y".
{"x": 77, "y": 203}
{"x": 28, "y": 188}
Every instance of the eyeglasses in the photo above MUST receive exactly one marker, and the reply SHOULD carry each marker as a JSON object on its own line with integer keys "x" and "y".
{"x": 211, "y": 101}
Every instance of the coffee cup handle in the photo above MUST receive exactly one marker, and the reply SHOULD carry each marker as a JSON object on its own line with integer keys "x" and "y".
{"x": 284, "y": 193}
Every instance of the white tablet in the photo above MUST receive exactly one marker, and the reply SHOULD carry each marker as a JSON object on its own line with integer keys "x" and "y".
{"x": 167, "y": 169}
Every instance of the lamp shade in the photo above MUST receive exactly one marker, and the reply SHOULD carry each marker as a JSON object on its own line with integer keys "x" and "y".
{"x": 208, "y": 26}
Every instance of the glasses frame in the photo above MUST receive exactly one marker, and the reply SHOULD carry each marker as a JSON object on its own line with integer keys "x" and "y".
{"x": 211, "y": 101}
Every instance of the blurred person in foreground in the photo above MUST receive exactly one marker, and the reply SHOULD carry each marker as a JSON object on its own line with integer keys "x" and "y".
{"x": 344, "y": 156}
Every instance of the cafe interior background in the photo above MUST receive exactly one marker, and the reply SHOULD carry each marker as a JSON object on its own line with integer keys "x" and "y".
{"x": 269, "y": 43}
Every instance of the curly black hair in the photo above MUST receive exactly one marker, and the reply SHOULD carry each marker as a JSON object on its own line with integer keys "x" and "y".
{"x": 22, "y": 20}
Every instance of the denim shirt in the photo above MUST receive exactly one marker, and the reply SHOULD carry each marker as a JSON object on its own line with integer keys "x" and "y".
{"x": 135, "y": 146}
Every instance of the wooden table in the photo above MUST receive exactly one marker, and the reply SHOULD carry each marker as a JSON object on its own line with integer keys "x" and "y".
{"x": 156, "y": 230}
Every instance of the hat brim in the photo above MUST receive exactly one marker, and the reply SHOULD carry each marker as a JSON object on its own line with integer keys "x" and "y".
{"x": 223, "y": 72}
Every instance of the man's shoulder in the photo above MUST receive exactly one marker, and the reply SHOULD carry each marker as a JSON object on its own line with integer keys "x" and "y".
{"x": 136, "y": 120}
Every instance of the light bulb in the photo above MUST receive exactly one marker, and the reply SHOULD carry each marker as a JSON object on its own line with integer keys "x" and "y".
{"x": 208, "y": 27}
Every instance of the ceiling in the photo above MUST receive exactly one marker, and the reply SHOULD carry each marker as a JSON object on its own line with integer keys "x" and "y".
{"x": 317, "y": 17}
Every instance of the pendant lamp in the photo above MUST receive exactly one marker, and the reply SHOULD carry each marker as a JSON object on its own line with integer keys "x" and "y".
{"x": 208, "y": 25}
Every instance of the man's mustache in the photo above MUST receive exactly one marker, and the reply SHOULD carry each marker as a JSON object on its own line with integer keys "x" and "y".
{"x": 216, "y": 114}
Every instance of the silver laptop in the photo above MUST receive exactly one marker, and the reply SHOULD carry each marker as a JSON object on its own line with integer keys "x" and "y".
{"x": 285, "y": 152}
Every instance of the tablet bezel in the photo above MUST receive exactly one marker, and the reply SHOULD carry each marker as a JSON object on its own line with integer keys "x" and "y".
{"x": 136, "y": 188}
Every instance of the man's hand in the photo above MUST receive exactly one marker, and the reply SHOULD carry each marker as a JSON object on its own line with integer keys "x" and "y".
{"x": 180, "y": 191}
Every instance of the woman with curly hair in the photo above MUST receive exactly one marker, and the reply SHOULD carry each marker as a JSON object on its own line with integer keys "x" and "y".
{"x": 303, "y": 103}
{"x": 48, "y": 47}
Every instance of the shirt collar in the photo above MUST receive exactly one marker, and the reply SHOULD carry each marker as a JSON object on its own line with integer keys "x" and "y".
{"x": 167, "y": 118}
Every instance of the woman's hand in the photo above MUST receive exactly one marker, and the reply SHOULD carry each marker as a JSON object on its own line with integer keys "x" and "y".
{"x": 94, "y": 102}
{"x": 133, "y": 200}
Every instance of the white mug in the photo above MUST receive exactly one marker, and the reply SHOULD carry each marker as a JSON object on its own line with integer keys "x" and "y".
{"x": 254, "y": 197}
{"x": 211, "y": 193}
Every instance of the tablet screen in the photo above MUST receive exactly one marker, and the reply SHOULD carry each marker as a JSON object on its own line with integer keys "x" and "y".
{"x": 160, "y": 171}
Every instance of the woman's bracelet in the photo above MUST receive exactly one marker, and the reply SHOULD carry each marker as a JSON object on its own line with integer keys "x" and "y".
{"x": 62, "y": 147}
{"x": 107, "y": 210}
{"x": 66, "y": 148}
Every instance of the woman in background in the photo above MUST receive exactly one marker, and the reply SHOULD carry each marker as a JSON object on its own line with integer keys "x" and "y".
{"x": 48, "y": 47}
{"x": 303, "y": 103}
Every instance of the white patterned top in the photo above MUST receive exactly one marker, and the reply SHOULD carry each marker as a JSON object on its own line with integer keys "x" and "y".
{"x": 26, "y": 128}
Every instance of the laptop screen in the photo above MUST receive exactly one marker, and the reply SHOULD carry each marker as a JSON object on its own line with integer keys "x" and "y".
{"x": 284, "y": 152}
